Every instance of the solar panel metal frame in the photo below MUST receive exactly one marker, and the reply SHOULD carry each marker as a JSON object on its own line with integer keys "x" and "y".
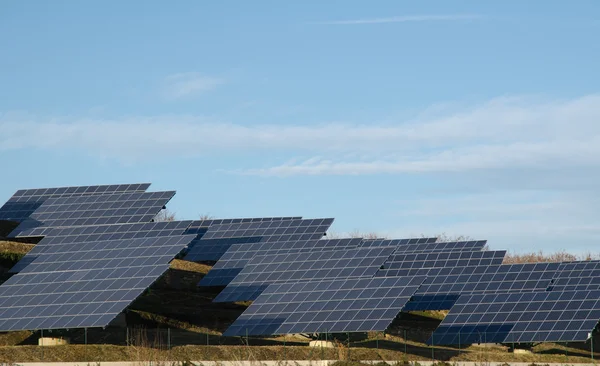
{"x": 237, "y": 256}
{"x": 452, "y": 246}
{"x": 77, "y": 234}
{"x": 218, "y": 238}
{"x": 87, "y": 286}
{"x": 443, "y": 286}
{"x": 266, "y": 269}
{"x": 348, "y": 305}
{"x": 25, "y": 201}
{"x": 443, "y": 259}
{"x": 92, "y": 210}
{"x": 544, "y": 316}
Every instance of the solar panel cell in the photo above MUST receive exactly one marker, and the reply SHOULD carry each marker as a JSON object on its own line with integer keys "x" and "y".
{"x": 86, "y": 285}
{"x": 350, "y": 305}
{"x": 95, "y": 210}
{"x": 520, "y": 318}
{"x": 261, "y": 271}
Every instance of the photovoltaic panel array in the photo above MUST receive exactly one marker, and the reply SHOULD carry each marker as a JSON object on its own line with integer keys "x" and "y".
{"x": 200, "y": 227}
{"x": 453, "y": 246}
{"x": 348, "y": 305}
{"x": 403, "y": 263}
{"x": 545, "y": 316}
{"x": 264, "y": 270}
{"x": 443, "y": 286}
{"x": 24, "y": 202}
{"x": 369, "y": 243}
{"x": 237, "y": 256}
{"x": 90, "y": 210}
{"x": 577, "y": 276}
{"x": 79, "y": 234}
{"x": 85, "y": 284}
{"x": 215, "y": 242}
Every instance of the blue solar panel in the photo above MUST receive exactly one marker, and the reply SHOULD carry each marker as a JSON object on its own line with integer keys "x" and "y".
{"x": 545, "y": 316}
{"x": 349, "y": 305}
{"x": 24, "y": 202}
{"x": 266, "y": 269}
{"x": 452, "y": 246}
{"x": 54, "y": 237}
{"x": 577, "y": 276}
{"x": 443, "y": 286}
{"x": 86, "y": 285}
{"x": 405, "y": 262}
{"x": 215, "y": 242}
{"x": 369, "y": 243}
{"x": 90, "y": 210}
{"x": 236, "y": 257}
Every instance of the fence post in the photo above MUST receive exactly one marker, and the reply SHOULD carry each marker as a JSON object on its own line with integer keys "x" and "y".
{"x": 42, "y": 336}
{"x": 85, "y": 344}
{"x": 432, "y": 351}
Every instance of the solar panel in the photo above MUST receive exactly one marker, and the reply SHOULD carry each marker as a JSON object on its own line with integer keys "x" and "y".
{"x": 236, "y": 257}
{"x": 25, "y": 201}
{"x": 577, "y": 276}
{"x": 263, "y": 270}
{"x": 89, "y": 210}
{"x": 406, "y": 262}
{"x": 215, "y": 242}
{"x": 86, "y": 286}
{"x": 443, "y": 286}
{"x": 200, "y": 227}
{"x": 545, "y": 316}
{"x": 453, "y": 246}
{"x": 349, "y": 305}
{"x": 368, "y": 243}
{"x": 77, "y": 234}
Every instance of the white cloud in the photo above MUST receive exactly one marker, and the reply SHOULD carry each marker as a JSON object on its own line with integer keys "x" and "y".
{"x": 519, "y": 220}
{"x": 504, "y": 133}
{"x": 185, "y": 84}
{"x": 405, "y": 19}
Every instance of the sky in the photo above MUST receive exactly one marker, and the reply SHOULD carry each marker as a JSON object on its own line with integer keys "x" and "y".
{"x": 403, "y": 118}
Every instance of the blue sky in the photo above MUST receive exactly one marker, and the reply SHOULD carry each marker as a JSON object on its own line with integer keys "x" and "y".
{"x": 403, "y": 118}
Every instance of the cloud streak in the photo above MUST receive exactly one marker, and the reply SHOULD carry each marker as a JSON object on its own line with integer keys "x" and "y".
{"x": 503, "y": 133}
{"x": 404, "y": 19}
{"x": 181, "y": 85}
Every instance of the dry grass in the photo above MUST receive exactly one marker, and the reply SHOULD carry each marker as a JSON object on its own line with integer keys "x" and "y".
{"x": 14, "y": 247}
{"x": 540, "y": 256}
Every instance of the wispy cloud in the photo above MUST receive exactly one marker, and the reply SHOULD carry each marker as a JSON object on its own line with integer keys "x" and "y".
{"x": 504, "y": 133}
{"x": 404, "y": 19}
{"x": 184, "y": 84}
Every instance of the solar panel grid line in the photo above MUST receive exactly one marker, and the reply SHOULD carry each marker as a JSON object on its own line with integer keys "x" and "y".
{"x": 545, "y": 316}
{"x": 95, "y": 210}
{"x": 266, "y": 269}
{"x": 84, "y": 291}
{"x": 443, "y": 285}
{"x": 237, "y": 256}
{"x": 24, "y": 202}
{"x": 396, "y": 242}
{"x": 349, "y": 305}
{"x": 445, "y": 259}
{"x": 577, "y": 276}
{"x": 266, "y": 228}
{"x": 218, "y": 238}
{"x": 205, "y": 223}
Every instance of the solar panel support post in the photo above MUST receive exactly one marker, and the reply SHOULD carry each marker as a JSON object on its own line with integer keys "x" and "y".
{"x": 458, "y": 344}
{"x": 592, "y": 345}
{"x": 168, "y": 338}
